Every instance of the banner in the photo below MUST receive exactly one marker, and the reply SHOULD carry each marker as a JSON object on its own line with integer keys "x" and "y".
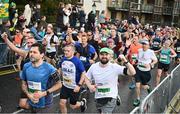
{"x": 4, "y": 9}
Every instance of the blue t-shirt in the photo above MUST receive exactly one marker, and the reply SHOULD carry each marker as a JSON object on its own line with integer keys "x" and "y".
{"x": 86, "y": 53}
{"x": 71, "y": 71}
{"x": 37, "y": 79}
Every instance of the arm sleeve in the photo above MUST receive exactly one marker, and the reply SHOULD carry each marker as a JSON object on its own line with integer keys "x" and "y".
{"x": 23, "y": 74}
{"x": 153, "y": 56}
{"x": 81, "y": 67}
{"x": 119, "y": 69}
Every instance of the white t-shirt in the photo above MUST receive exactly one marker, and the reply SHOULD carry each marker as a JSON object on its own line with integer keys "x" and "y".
{"x": 145, "y": 57}
{"x": 49, "y": 48}
{"x": 69, "y": 74}
{"x": 106, "y": 79}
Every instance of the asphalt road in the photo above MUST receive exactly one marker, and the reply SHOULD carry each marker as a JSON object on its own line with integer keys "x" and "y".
{"x": 10, "y": 93}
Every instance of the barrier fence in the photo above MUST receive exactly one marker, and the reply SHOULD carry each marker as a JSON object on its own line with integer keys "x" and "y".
{"x": 159, "y": 99}
{"x": 7, "y": 56}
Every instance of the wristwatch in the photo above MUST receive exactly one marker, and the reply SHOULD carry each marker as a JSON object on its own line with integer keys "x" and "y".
{"x": 79, "y": 85}
{"x": 47, "y": 92}
{"x": 125, "y": 63}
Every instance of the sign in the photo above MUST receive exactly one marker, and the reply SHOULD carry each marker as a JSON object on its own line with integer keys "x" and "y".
{"x": 4, "y": 9}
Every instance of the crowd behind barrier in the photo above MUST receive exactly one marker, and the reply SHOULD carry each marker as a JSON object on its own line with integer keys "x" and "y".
{"x": 7, "y": 56}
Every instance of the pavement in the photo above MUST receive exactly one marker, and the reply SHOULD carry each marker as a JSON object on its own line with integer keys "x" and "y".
{"x": 10, "y": 94}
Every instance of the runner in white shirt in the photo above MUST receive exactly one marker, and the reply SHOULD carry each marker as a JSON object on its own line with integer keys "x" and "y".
{"x": 146, "y": 59}
{"x": 51, "y": 41}
{"x": 105, "y": 75}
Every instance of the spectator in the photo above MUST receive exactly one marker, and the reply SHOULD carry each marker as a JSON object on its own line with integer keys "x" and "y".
{"x": 4, "y": 28}
{"x": 82, "y": 17}
{"x": 73, "y": 17}
{"x": 59, "y": 18}
{"x": 27, "y": 14}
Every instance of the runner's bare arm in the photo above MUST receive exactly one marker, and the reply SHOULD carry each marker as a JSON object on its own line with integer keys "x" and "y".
{"x": 24, "y": 87}
{"x": 130, "y": 69}
{"x": 173, "y": 53}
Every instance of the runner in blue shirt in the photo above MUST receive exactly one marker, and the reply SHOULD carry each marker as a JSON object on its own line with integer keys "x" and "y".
{"x": 72, "y": 71}
{"x": 39, "y": 80}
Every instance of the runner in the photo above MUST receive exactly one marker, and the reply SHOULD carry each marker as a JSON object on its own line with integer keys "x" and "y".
{"x": 51, "y": 41}
{"x": 166, "y": 53}
{"x": 39, "y": 81}
{"x": 132, "y": 57}
{"x": 72, "y": 71}
{"x": 105, "y": 75}
{"x": 146, "y": 59}
{"x": 85, "y": 52}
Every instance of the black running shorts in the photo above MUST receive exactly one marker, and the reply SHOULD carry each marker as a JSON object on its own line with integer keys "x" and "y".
{"x": 164, "y": 67}
{"x": 66, "y": 93}
{"x": 142, "y": 76}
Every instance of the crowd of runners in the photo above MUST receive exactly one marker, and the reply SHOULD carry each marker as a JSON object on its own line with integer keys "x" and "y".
{"x": 94, "y": 54}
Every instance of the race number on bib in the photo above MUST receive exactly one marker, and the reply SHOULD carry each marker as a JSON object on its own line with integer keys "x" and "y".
{"x": 82, "y": 58}
{"x": 103, "y": 90}
{"x": 140, "y": 64}
{"x": 34, "y": 86}
{"x": 163, "y": 58}
{"x": 134, "y": 57}
{"x": 67, "y": 81}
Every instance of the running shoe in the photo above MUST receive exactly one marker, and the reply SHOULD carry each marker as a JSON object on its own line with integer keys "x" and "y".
{"x": 132, "y": 85}
{"x": 83, "y": 105}
{"x": 118, "y": 101}
{"x": 136, "y": 102}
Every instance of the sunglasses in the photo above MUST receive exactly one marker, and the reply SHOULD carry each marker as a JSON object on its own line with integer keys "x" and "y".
{"x": 144, "y": 44}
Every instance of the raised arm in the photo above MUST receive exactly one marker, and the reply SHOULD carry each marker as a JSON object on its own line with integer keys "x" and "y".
{"x": 13, "y": 47}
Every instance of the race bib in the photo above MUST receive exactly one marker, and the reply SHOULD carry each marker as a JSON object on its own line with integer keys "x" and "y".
{"x": 82, "y": 58}
{"x": 156, "y": 44}
{"x": 178, "y": 49}
{"x": 142, "y": 65}
{"x": 103, "y": 89}
{"x": 67, "y": 80}
{"x": 34, "y": 86}
{"x": 134, "y": 57}
{"x": 48, "y": 49}
{"x": 163, "y": 58}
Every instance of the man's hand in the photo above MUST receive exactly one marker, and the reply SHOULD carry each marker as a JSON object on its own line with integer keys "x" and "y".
{"x": 76, "y": 89}
{"x": 91, "y": 61}
{"x": 92, "y": 88}
{"x": 40, "y": 94}
{"x": 32, "y": 98}
{"x": 123, "y": 58}
{"x": 4, "y": 36}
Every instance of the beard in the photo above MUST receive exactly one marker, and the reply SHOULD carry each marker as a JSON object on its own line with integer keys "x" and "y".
{"x": 33, "y": 60}
{"x": 104, "y": 61}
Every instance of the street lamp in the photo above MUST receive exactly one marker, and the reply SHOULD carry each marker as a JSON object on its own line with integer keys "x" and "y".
{"x": 94, "y": 8}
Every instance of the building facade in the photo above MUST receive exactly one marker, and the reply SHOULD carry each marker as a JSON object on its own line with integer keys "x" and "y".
{"x": 161, "y": 12}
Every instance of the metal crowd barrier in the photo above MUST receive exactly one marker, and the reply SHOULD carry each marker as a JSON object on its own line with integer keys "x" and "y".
{"x": 135, "y": 110}
{"x": 158, "y": 100}
{"x": 7, "y": 56}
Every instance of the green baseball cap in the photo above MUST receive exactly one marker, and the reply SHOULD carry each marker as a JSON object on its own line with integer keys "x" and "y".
{"x": 105, "y": 50}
